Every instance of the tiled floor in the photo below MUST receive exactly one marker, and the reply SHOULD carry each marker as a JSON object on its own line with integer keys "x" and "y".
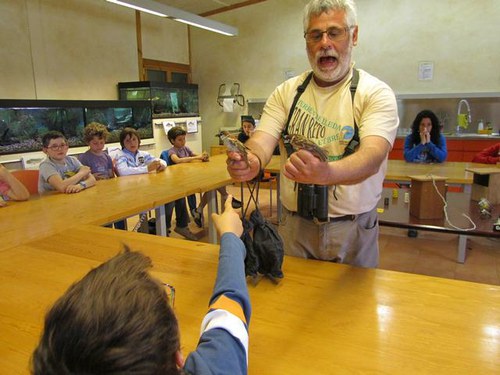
{"x": 430, "y": 253}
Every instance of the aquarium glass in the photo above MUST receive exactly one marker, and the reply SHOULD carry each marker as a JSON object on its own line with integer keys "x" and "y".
{"x": 167, "y": 99}
{"x": 116, "y": 119}
{"x": 21, "y": 129}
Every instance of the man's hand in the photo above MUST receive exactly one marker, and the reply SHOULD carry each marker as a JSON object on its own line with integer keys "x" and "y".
{"x": 304, "y": 167}
{"x": 239, "y": 169}
{"x": 229, "y": 221}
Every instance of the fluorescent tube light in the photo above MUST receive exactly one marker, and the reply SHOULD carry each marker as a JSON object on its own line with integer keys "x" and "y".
{"x": 162, "y": 10}
{"x": 137, "y": 7}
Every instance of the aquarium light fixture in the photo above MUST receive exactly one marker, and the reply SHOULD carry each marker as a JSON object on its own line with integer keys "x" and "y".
{"x": 192, "y": 19}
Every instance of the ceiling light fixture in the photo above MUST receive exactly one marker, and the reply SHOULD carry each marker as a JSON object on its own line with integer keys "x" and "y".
{"x": 158, "y": 9}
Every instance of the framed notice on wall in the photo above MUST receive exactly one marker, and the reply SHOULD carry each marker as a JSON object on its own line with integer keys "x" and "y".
{"x": 425, "y": 70}
{"x": 192, "y": 126}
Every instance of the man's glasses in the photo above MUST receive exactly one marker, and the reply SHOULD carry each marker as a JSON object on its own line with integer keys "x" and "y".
{"x": 170, "y": 293}
{"x": 335, "y": 34}
{"x": 58, "y": 147}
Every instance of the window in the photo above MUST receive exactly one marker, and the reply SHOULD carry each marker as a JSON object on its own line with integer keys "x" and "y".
{"x": 162, "y": 71}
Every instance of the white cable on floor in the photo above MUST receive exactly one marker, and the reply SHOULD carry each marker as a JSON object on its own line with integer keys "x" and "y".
{"x": 446, "y": 211}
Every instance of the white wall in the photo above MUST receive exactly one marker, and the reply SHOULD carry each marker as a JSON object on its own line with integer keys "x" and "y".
{"x": 461, "y": 37}
{"x": 74, "y": 49}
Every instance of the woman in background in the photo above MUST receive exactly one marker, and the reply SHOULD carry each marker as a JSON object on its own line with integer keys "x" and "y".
{"x": 425, "y": 144}
{"x": 247, "y": 128}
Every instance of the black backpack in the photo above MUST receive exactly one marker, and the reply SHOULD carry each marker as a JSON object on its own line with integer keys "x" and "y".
{"x": 265, "y": 250}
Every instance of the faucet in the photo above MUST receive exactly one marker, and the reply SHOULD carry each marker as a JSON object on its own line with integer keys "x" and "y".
{"x": 462, "y": 120}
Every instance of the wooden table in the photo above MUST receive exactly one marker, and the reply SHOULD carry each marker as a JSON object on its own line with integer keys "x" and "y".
{"x": 322, "y": 318}
{"x": 111, "y": 200}
{"x": 396, "y": 214}
{"x": 456, "y": 173}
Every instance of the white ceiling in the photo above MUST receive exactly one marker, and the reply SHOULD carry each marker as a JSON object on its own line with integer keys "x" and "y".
{"x": 200, "y": 6}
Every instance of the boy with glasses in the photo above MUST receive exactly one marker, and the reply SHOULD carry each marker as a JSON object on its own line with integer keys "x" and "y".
{"x": 61, "y": 172}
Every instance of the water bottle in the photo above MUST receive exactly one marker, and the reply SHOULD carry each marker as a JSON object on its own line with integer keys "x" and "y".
{"x": 480, "y": 126}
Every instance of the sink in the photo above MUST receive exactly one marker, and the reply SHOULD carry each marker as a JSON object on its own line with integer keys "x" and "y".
{"x": 471, "y": 135}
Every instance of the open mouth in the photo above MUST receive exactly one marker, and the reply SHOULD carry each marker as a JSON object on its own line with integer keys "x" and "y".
{"x": 327, "y": 60}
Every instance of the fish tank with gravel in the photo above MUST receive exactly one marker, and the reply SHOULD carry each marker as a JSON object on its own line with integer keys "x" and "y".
{"x": 24, "y": 122}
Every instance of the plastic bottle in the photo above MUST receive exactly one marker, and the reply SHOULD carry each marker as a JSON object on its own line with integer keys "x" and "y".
{"x": 480, "y": 126}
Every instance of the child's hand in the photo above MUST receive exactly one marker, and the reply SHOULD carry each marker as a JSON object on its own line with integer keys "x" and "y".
{"x": 154, "y": 165}
{"x": 84, "y": 172}
{"x": 2, "y": 202}
{"x": 71, "y": 189}
{"x": 205, "y": 156}
{"x": 229, "y": 220}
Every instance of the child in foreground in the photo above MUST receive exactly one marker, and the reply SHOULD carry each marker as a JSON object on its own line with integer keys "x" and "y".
{"x": 118, "y": 319}
{"x": 61, "y": 172}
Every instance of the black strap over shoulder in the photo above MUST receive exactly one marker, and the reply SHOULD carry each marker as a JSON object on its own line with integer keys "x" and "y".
{"x": 354, "y": 142}
{"x": 300, "y": 90}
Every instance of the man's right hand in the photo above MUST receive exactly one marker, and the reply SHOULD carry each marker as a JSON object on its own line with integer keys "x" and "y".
{"x": 239, "y": 169}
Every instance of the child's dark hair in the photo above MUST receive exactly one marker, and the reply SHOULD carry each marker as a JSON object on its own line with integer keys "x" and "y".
{"x": 175, "y": 132}
{"x": 95, "y": 129}
{"x": 128, "y": 132}
{"x": 116, "y": 319}
{"x": 53, "y": 134}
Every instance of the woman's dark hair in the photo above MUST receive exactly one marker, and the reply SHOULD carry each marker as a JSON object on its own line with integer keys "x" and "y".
{"x": 435, "y": 131}
{"x": 115, "y": 320}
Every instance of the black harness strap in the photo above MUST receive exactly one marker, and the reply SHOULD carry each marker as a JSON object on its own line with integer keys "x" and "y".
{"x": 353, "y": 143}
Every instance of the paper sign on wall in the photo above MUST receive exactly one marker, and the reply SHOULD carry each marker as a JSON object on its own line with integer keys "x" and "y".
{"x": 425, "y": 71}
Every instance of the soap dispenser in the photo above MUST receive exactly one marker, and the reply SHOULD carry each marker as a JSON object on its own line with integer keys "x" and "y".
{"x": 480, "y": 126}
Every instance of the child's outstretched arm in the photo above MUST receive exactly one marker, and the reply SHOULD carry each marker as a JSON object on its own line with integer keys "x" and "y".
{"x": 223, "y": 346}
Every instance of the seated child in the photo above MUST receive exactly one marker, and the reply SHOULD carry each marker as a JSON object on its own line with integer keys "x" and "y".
{"x": 180, "y": 153}
{"x": 11, "y": 188}
{"x": 133, "y": 161}
{"x": 247, "y": 128}
{"x": 59, "y": 171}
{"x": 99, "y": 162}
{"x": 118, "y": 319}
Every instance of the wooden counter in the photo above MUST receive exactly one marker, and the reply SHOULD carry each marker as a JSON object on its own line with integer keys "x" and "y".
{"x": 322, "y": 318}
{"x": 462, "y": 149}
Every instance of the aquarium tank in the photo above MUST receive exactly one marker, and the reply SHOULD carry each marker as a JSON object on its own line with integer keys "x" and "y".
{"x": 24, "y": 122}
{"x": 168, "y": 99}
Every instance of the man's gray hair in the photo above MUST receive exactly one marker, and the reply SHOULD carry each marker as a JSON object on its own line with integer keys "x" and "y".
{"x": 316, "y": 7}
